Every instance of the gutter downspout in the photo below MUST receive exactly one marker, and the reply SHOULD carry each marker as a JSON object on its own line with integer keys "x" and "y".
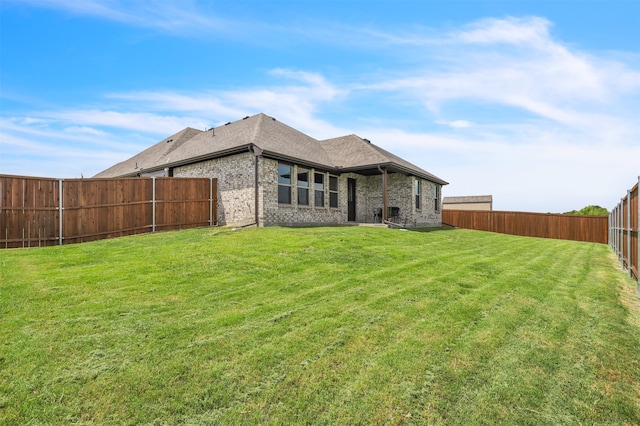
{"x": 385, "y": 201}
{"x": 257, "y": 152}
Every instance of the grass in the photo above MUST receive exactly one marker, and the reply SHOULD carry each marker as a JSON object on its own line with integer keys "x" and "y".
{"x": 318, "y": 326}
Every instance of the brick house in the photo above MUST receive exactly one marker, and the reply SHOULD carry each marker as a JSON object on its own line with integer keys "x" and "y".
{"x": 271, "y": 174}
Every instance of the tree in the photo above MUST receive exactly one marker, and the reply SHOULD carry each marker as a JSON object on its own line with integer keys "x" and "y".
{"x": 590, "y": 211}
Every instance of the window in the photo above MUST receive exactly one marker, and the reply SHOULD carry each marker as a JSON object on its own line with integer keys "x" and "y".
{"x": 303, "y": 187}
{"x": 437, "y": 197}
{"x": 318, "y": 179}
{"x": 416, "y": 192}
{"x": 284, "y": 184}
{"x": 333, "y": 191}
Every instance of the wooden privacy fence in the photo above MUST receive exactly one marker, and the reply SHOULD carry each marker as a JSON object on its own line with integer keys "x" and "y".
{"x": 44, "y": 211}
{"x": 623, "y": 231}
{"x": 544, "y": 225}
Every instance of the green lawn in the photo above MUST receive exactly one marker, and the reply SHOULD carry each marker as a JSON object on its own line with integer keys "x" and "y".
{"x": 318, "y": 326}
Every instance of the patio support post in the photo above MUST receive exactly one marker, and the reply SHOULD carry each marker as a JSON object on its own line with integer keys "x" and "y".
{"x": 385, "y": 198}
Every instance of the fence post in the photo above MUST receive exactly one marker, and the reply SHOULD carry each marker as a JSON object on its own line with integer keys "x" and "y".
{"x": 621, "y": 231}
{"x": 60, "y": 210}
{"x": 210, "y": 201}
{"x": 610, "y": 240}
{"x": 153, "y": 204}
{"x": 618, "y": 230}
{"x": 613, "y": 229}
{"x": 629, "y": 229}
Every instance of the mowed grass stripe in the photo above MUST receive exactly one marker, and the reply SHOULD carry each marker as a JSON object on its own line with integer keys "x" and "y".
{"x": 317, "y": 325}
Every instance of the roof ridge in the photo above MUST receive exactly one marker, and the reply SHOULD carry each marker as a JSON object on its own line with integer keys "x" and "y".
{"x": 180, "y": 138}
{"x": 257, "y": 128}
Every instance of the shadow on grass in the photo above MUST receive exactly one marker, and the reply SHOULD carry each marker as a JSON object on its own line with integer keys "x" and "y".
{"x": 433, "y": 229}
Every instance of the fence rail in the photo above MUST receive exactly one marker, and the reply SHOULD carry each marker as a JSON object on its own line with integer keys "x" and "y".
{"x": 544, "y": 225}
{"x": 623, "y": 231}
{"x": 45, "y": 211}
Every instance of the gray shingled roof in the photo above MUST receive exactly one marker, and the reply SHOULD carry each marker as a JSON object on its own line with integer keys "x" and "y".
{"x": 275, "y": 139}
{"x": 352, "y": 153}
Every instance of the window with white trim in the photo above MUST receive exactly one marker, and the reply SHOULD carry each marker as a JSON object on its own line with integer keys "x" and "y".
{"x": 437, "y": 197}
{"x": 416, "y": 192}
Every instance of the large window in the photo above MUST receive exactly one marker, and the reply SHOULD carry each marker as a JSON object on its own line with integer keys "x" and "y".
{"x": 303, "y": 187}
{"x": 284, "y": 184}
{"x": 416, "y": 192}
{"x": 437, "y": 197}
{"x": 333, "y": 191}
{"x": 318, "y": 185}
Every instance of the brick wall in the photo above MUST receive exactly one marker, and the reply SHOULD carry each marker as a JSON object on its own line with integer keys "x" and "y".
{"x": 236, "y": 183}
{"x": 236, "y": 195}
{"x": 294, "y": 214}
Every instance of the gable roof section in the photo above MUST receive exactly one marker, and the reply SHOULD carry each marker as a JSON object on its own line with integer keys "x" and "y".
{"x": 275, "y": 140}
{"x": 151, "y": 157}
{"x": 352, "y": 153}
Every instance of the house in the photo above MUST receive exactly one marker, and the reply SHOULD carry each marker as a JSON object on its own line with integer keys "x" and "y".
{"x": 471, "y": 202}
{"x": 271, "y": 174}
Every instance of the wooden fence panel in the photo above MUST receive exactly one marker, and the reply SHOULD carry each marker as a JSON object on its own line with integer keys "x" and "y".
{"x": 543, "y": 225}
{"x": 624, "y": 226}
{"x": 105, "y": 208}
{"x": 183, "y": 203}
{"x": 28, "y": 211}
{"x": 37, "y": 211}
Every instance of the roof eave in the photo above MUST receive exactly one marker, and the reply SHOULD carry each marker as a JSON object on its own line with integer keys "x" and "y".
{"x": 394, "y": 167}
{"x": 192, "y": 160}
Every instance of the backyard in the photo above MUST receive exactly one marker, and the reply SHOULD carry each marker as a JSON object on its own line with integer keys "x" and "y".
{"x": 344, "y": 325}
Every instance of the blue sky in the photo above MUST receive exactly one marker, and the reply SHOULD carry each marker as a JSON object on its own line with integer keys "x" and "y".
{"x": 534, "y": 102}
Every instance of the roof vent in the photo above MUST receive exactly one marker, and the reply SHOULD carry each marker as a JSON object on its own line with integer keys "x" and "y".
{"x": 169, "y": 140}
{"x": 246, "y": 117}
{"x": 273, "y": 119}
{"x": 226, "y": 124}
{"x": 367, "y": 140}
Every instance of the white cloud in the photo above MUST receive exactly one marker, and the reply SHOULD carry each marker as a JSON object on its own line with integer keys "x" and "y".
{"x": 142, "y": 122}
{"x": 456, "y": 124}
{"x": 296, "y": 103}
{"x": 177, "y": 17}
{"x": 84, "y": 130}
{"x": 533, "y": 31}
